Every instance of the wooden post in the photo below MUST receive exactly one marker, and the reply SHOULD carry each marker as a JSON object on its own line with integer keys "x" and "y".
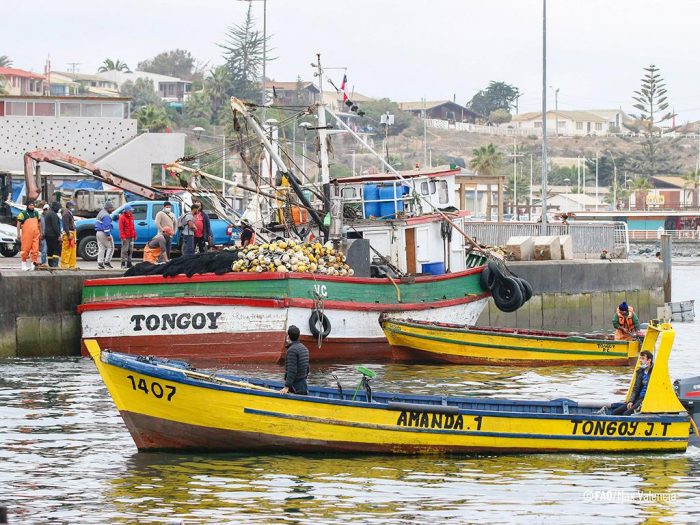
{"x": 462, "y": 197}
{"x": 666, "y": 264}
{"x": 500, "y": 199}
{"x": 489, "y": 189}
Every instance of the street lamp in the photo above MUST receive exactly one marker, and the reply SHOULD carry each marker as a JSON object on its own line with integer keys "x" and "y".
{"x": 305, "y": 126}
{"x": 197, "y": 134}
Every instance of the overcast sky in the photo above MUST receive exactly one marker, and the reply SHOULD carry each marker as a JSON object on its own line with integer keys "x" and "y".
{"x": 401, "y": 49}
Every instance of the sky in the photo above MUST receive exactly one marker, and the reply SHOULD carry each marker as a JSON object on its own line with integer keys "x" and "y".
{"x": 404, "y": 50}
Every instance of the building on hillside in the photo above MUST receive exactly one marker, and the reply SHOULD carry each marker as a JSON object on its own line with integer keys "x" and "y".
{"x": 285, "y": 93}
{"x": 440, "y": 110}
{"x": 20, "y": 82}
{"x": 573, "y": 123}
{"x": 64, "y": 84}
{"x": 566, "y": 202}
{"x": 670, "y": 193}
{"x": 173, "y": 90}
{"x": 97, "y": 129}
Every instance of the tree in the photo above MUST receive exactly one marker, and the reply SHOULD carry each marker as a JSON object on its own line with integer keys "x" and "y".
{"x": 692, "y": 180}
{"x": 374, "y": 109}
{"x": 652, "y": 106}
{"x": 176, "y": 63}
{"x": 500, "y": 116}
{"x": 198, "y": 110}
{"x": 497, "y": 95}
{"x": 113, "y": 65}
{"x": 5, "y": 61}
{"x": 152, "y": 118}
{"x": 243, "y": 52}
{"x": 218, "y": 87}
{"x": 486, "y": 160}
{"x": 639, "y": 186}
{"x": 142, "y": 93}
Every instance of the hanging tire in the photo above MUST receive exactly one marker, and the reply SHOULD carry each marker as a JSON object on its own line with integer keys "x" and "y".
{"x": 318, "y": 321}
{"x": 490, "y": 275}
{"x": 527, "y": 293}
{"x": 507, "y": 295}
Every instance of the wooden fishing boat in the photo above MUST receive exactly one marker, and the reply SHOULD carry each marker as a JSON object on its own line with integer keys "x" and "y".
{"x": 439, "y": 342}
{"x": 243, "y": 317}
{"x": 168, "y": 406}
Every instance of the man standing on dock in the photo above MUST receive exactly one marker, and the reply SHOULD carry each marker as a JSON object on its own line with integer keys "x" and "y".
{"x": 52, "y": 234}
{"x": 69, "y": 246}
{"x": 29, "y": 233}
{"x": 166, "y": 219}
{"x": 296, "y": 364}
{"x": 105, "y": 242}
{"x": 626, "y": 323}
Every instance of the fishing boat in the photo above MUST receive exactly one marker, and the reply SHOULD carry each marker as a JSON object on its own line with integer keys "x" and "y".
{"x": 166, "y": 405}
{"x": 444, "y": 342}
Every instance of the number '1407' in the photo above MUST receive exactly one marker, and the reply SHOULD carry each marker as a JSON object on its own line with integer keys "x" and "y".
{"x": 156, "y": 388}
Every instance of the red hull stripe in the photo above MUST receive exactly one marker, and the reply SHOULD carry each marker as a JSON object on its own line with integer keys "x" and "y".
{"x": 274, "y": 303}
{"x": 267, "y": 276}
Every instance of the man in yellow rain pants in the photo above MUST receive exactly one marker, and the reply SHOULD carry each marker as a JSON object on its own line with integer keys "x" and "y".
{"x": 29, "y": 234}
{"x": 69, "y": 245}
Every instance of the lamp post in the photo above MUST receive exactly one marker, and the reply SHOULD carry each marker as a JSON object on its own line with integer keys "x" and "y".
{"x": 305, "y": 126}
{"x": 544, "y": 117}
{"x": 515, "y": 156}
{"x": 386, "y": 120}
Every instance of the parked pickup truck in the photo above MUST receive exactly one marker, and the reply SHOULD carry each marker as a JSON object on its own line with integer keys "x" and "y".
{"x": 144, "y": 220}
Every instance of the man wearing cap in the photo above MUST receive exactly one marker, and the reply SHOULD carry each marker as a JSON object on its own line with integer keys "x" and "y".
{"x": 625, "y": 322}
{"x": 105, "y": 242}
{"x": 42, "y": 241}
{"x": 29, "y": 234}
{"x": 127, "y": 235}
{"x": 52, "y": 234}
{"x": 165, "y": 218}
{"x": 155, "y": 250}
{"x": 69, "y": 246}
{"x": 296, "y": 364}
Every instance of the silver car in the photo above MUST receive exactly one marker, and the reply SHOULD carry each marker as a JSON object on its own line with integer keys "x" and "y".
{"x": 9, "y": 244}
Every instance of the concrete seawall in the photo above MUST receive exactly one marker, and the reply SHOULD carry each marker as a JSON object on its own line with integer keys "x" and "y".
{"x": 581, "y": 296}
{"x": 38, "y": 309}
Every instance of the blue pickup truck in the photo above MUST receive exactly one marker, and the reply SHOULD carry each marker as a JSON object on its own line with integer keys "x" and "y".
{"x": 144, "y": 219}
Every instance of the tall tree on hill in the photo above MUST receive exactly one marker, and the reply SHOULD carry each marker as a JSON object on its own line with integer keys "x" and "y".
{"x": 651, "y": 103}
{"x": 142, "y": 93}
{"x": 5, "y": 61}
{"x": 218, "y": 89}
{"x": 152, "y": 118}
{"x": 243, "y": 51}
{"x": 113, "y": 65}
{"x": 175, "y": 63}
{"x": 639, "y": 187}
{"x": 497, "y": 95}
{"x": 486, "y": 160}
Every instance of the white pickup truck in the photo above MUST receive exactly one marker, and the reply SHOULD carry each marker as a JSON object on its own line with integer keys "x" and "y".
{"x": 9, "y": 244}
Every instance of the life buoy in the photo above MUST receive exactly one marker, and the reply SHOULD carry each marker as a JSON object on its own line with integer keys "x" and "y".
{"x": 507, "y": 294}
{"x": 317, "y": 319}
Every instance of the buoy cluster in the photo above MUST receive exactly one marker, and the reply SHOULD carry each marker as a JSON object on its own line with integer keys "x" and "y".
{"x": 292, "y": 256}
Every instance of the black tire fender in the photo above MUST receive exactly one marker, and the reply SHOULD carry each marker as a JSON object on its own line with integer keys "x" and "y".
{"x": 507, "y": 294}
{"x": 528, "y": 292}
{"x": 314, "y": 321}
{"x": 490, "y": 276}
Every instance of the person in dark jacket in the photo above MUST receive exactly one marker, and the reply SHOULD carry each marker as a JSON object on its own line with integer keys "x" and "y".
{"x": 641, "y": 382}
{"x": 52, "y": 234}
{"x": 296, "y": 364}
{"x": 207, "y": 235}
{"x": 69, "y": 245}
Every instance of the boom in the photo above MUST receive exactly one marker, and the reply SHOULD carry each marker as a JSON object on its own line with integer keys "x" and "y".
{"x": 32, "y": 160}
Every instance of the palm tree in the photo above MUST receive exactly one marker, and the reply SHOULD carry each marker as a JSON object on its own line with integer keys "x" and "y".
{"x": 113, "y": 65}
{"x": 5, "y": 61}
{"x": 218, "y": 87}
{"x": 152, "y": 118}
{"x": 640, "y": 187}
{"x": 692, "y": 179}
{"x": 486, "y": 160}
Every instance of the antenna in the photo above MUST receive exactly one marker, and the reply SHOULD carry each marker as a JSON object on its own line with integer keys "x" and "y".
{"x": 73, "y": 66}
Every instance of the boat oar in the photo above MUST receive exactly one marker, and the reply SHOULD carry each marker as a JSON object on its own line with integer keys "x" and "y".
{"x": 216, "y": 379}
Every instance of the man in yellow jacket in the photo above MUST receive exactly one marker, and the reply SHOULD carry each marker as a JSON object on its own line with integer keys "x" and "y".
{"x": 69, "y": 247}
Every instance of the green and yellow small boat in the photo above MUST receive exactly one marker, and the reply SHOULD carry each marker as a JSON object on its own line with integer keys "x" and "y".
{"x": 168, "y": 406}
{"x": 434, "y": 342}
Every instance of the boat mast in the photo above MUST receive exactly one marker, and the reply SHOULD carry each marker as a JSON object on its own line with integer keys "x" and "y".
{"x": 322, "y": 126}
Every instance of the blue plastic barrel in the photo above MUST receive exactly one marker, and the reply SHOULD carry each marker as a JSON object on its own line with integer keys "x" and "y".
{"x": 370, "y": 192}
{"x": 388, "y": 208}
{"x": 433, "y": 268}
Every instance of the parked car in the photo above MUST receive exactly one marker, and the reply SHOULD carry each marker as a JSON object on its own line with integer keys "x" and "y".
{"x": 9, "y": 244}
{"x": 224, "y": 233}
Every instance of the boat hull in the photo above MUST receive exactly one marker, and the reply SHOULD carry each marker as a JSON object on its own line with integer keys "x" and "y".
{"x": 228, "y": 326}
{"x": 458, "y": 344}
{"x": 164, "y": 409}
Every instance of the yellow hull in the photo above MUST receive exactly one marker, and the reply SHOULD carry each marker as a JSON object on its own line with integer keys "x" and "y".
{"x": 472, "y": 345}
{"x": 167, "y": 408}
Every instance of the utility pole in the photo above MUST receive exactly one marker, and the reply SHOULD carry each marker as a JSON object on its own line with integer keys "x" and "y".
{"x": 322, "y": 127}
{"x": 544, "y": 117}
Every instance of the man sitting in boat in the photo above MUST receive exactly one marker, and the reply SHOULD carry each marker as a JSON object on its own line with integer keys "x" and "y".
{"x": 248, "y": 234}
{"x": 626, "y": 323}
{"x": 156, "y": 249}
{"x": 641, "y": 382}
{"x": 296, "y": 364}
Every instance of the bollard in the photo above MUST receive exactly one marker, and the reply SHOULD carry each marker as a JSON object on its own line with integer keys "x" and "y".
{"x": 666, "y": 264}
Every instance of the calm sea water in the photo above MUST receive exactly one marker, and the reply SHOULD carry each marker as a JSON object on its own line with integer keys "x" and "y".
{"x": 66, "y": 457}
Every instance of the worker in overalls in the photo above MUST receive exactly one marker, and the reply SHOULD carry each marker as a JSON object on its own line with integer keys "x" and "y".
{"x": 155, "y": 251}
{"x": 625, "y": 323}
{"x": 29, "y": 234}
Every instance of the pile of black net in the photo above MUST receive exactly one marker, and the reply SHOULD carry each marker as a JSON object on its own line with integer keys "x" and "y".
{"x": 218, "y": 262}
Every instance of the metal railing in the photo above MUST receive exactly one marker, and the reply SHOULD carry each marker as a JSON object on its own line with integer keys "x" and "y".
{"x": 589, "y": 239}
{"x": 654, "y": 235}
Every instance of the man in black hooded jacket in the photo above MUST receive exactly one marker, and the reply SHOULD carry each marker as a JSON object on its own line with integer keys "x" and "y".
{"x": 296, "y": 364}
{"x": 52, "y": 234}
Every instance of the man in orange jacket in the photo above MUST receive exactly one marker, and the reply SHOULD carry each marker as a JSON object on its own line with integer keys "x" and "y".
{"x": 29, "y": 234}
{"x": 625, "y": 322}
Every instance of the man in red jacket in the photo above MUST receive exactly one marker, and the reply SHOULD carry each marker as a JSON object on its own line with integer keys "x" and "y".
{"x": 127, "y": 235}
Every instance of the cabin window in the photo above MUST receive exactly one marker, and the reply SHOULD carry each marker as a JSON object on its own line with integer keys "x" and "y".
{"x": 424, "y": 188}
{"x": 442, "y": 192}
{"x": 348, "y": 193}
{"x": 433, "y": 187}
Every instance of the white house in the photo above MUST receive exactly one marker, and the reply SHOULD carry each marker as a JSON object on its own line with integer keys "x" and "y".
{"x": 565, "y": 202}
{"x": 571, "y": 123}
{"x": 68, "y": 84}
{"x": 171, "y": 89}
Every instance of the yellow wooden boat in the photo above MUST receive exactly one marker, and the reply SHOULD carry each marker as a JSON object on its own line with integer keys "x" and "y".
{"x": 425, "y": 341}
{"x": 168, "y": 406}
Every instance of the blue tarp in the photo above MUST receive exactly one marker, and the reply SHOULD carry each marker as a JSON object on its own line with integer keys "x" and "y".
{"x": 18, "y": 190}
{"x": 84, "y": 184}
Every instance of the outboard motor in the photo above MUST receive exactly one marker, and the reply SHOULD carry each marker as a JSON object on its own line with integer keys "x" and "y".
{"x": 688, "y": 392}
